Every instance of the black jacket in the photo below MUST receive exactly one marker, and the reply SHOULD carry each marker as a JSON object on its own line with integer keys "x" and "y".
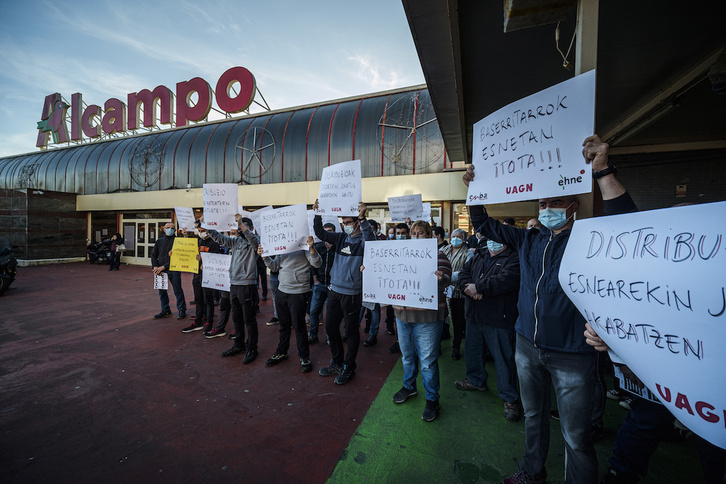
{"x": 497, "y": 282}
{"x": 327, "y": 256}
{"x": 160, "y": 252}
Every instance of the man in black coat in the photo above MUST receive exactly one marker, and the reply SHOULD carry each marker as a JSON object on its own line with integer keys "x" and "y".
{"x": 490, "y": 283}
{"x": 160, "y": 261}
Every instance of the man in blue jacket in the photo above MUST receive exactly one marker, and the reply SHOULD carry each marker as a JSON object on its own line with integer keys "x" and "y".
{"x": 551, "y": 348}
{"x": 346, "y": 290}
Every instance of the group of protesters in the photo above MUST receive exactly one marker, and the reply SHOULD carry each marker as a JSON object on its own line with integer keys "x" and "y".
{"x": 499, "y": 288}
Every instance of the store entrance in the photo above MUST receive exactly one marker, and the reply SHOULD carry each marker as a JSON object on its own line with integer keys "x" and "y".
{"x": 139, "y": 238}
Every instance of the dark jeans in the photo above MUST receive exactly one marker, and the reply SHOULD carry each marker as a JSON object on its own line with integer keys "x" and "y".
{"x": 262, "y": 275}
{"x": 199, "y": 298}
{"x": 572, "y": 376}
{"x": 500, "y": 343}
{"x": 342, "y": 307}
{"x": 175, "y": 280}
{"x": 375, "y": 318}
{"x": 114, "y": 260}
{"x": 224, "y": 309}
{"x": 644, "y": 426}
{"x": 317, "y": 303}
{"x": 291, "y": 313}
{"x": 244, "y": 315}
{"x": 476, "y": 354}
{"x": 390, "y": 318}
{"x": 458, "y": 320}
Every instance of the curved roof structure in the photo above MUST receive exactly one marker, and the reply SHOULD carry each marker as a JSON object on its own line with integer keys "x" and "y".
{"x": 392, "y": 133}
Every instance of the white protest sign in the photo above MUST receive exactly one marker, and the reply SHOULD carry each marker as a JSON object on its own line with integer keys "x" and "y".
{"x": 215, "y": 270}
{"x": 401, "y": 272}
{"x": 406, "y": 206}
{"x": 327, "y": 219}
{"x": 426, "y": 214}
{"x": 184, "y": 218}
{"x": 161, "y": 281}
{"x": 532, "y": 148}
{"x": 653, "y": 286}
{"x": 255, "y": 217}
{"x": 284, "y": 230}
{"x": 340, "y": 189}
{"x": 220, "y": 206}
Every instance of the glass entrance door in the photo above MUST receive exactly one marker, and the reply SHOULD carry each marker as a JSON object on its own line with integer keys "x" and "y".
{"x": 139, "y": 238}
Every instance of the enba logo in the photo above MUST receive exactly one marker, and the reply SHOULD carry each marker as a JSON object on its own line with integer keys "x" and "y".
{"x": 91, "y": 121}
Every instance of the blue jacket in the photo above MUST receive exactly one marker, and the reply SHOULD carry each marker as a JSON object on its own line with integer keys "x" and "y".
{"x": 345, "y": 276}
{"x": 547, "y": 317}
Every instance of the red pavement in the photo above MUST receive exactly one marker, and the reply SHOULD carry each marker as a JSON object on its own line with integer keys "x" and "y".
{"x": 93, "y": 390}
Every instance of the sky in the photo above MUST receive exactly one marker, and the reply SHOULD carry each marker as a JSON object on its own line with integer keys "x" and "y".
{"x": 300, "y": 52}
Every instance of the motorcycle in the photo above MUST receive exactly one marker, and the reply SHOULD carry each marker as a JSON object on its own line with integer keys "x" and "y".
{"x": 99, "y": 252}
{"x": 8, "y": 264}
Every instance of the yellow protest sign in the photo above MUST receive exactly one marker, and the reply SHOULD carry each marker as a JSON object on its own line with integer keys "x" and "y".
{"x": 184, "y": 255}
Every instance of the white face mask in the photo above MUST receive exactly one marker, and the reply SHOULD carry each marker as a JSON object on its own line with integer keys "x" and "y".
{"x": 349, "y": 229}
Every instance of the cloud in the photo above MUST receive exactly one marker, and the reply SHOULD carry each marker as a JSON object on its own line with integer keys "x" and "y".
{"x": 368, "y": 71}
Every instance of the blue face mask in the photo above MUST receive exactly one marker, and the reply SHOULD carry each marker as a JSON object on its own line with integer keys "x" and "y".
{"x": 349, "y": 229}
{"x": 400, "y": 237}
{"x": 553, "y": 218}
{"x": 169, "y": 232}
{"x": 456, "y": 242}
{"x": 494, "y": 246}
{"x": 391, "y": 236}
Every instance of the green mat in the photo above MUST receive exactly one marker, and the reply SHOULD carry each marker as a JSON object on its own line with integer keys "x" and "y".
{"x": 471, "y": 442}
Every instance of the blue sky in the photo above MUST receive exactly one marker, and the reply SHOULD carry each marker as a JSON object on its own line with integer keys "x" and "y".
{"x": 299, "y": 51}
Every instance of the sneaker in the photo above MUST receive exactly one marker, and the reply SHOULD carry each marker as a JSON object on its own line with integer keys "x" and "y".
{"x": 512, "y": 411}
{"x": 614, "y": 395}
{"x": 346, "y": 375}
{"x": 163, "y": 314}
{"x": 330, "y": 370}
{"x": 207, "y": 327}
{"x": 214, "y": 333}
{"x": 313, "y": 340}
{"x": 395, "y": 348}
{"x": 371, "y": 340}
{"x": 250, "y": 356}
{"x": 404, "y": 394}
{"x": 181, "y": 315}
{"x": 555, "y": 414}
{"x": 390, "y": 331}
{"x": 192, "y": 327}
{"x": 431, "y": 411}
{"x": 273, "y": 322}
{"x": 467, "y": 385}
{"x": 275, "y": 359}
{"x": 626, "y": 403}
{"x": 522, "y": 477}
{"x": 235, "y": 350}
{"x": 306, "y": 365}
{"x": 231, "y": 335}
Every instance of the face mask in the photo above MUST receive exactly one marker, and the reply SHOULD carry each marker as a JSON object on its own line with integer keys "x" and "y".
{"x": 456, "y": 242}
{"x": 169, "y": 232}
{"x": 349, "y": 229}
{"x": 494, "y": 246}
{"x": 203, "y": 235}
{"x": 400, "y": 237}
{"x": 233, "y": 236}
{"x": 391, "y": 236}
{"x": 553, "y": 218}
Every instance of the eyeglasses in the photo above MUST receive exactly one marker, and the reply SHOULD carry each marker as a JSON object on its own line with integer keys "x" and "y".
{"x": 349, "y": 222}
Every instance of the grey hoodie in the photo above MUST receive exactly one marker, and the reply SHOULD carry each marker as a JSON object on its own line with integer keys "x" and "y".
{"x": 243, "y": 267}
{"x": 294, "y": 270}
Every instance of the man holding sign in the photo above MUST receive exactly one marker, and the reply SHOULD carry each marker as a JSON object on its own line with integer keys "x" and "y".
{"x": 243, "y": 288}
{"x": 551, "y": 348}
{"x": 346, "y": 297}
{"x": 160, "y": 263}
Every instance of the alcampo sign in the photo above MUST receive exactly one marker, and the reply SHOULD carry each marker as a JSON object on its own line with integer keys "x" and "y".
{"x": 93, "y": 120}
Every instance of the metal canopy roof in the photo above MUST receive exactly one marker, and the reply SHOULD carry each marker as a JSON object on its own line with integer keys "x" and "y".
{"x": 653, "y": 60}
